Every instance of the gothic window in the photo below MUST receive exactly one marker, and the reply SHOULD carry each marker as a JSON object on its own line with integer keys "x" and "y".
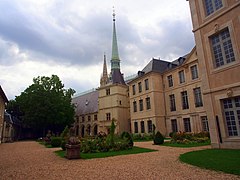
{"x": 107, "y": 92}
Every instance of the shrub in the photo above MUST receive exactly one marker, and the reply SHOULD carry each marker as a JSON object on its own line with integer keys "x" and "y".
{"x": 171, "y": 134}
{"x": 158, "y": 139}
{"x": 126, "y": 136}
{"x": 63, "y": 144}
{"x": 56, "y": 141}
{"x": 187, "y": 138}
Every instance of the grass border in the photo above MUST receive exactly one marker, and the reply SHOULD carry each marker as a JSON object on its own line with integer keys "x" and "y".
{"x": 225, "y": 160}
{"x": 134, "y": 150}
{"x": 169, "y": 144}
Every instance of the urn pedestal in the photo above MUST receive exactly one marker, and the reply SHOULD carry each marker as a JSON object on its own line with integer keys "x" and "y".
{"x": 72, "y": 151}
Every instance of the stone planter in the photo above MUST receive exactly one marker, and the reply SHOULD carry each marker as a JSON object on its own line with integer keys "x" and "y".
{"x": 72, "y": 151}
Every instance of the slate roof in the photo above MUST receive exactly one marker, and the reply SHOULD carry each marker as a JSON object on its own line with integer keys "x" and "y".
{"x": 86, "y": 104}
{"x": 3, "y": 95}
{"x": 156, "y": 65}
{"x": 117, "y": 77}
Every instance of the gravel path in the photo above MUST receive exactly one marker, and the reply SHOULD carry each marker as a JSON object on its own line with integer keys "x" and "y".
{"x": 30, "y": 160}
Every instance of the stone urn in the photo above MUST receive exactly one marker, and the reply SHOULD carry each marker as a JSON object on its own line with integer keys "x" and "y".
{"x": 73, "y": 148}
{"x": 72, "y": 151}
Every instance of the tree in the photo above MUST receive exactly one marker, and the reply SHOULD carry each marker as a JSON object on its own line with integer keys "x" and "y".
{"x": 46, "y": 105}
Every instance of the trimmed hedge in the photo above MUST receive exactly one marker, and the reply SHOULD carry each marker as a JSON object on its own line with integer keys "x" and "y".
{"x": 56, "y": 141}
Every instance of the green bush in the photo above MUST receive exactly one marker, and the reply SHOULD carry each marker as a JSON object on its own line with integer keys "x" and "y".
{"x": 188, "y": 138}
{"x": 128, "y": 138}
{"x": 158, "y": 139}
{"x": 56, "y": 141}
{"x": 171, "y": 134}
{"x": 63, "y": 144}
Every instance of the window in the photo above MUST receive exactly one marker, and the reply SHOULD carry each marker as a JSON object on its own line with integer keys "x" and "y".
{"x": 172, "y": 102}
{"x": 181, "y": 76}
{"x": 170, "y": 81}
{"x": 231, "y": 108}
{"x": 140, "y": 105}
{"x": 198, "y": 97}
{"x": 212, "y": 5}
{"x": 134, "y": 106}
{"x": 135, "y": 127}
{"x": 146, "y": 84}
{"x": 95, "y": 117}
{"x": 148, "y": 103}
{"x": 134, "y": 89}
{"x": 187, "y": 124}
{"x": 142, "y": 127}
{"x": 107, "y": 92}
{"x": 194, "y": 72}
{"x": 205, "y": 123}
{"x": 83, "y": 118}
{"x": 184, "y": 100}
{"x": 222, "y": 48}
{"x": 139, "y": 87}
{"x": 89, "y": 118}
{"x": 174, "y": 125}
{"x": 150, "y": 126}
{"x": 108, "y": 116}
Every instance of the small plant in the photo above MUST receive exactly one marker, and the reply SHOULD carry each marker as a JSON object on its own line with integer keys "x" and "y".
{"x": 171, "y": 134}
{"x": 112, "y": 130}
{"x": 158, "y": 139}
{"x": 64, "y": 137}
{"x": 56, "y": 141}
{"x": 126, "y": 136}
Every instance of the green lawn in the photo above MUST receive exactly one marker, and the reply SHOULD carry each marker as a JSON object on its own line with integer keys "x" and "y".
{"x": 185, "y": 145}
{"x": 134, "y": 150}
{"x": 225, "y": 160}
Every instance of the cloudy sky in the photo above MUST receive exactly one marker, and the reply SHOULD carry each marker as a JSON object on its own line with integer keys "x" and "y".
{"x": 69, "y": 37}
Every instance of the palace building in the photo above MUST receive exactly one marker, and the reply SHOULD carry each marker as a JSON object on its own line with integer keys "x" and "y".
{"x": 197, "y": 92}
{"x": 216, "y": 27}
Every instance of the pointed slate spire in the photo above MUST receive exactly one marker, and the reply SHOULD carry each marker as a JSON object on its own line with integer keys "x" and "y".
{"x": 115, "y": 61}
{"x": 104, "y": 79}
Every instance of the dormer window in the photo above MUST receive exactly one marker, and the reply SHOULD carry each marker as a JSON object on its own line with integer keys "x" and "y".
{"x": 86, "y": 103}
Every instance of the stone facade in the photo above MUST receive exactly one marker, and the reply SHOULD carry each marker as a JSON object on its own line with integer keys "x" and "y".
{"x": 158, "y": 97}
{"x": 3, "y": 101}
{"x": 216, "y": 27}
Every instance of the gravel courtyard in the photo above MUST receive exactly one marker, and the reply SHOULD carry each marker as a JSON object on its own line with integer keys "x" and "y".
{"x": 30, "y": 160}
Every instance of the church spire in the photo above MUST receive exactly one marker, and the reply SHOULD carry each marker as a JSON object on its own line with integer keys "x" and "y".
{"x": 115, "y": 61}
{"x": 104, "y": 79}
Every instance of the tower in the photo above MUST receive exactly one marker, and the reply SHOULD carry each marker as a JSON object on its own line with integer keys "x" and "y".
{"x": 104, "y": 79}
{"x": 113, "y": 94}
{"x": 116, "y": 75}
